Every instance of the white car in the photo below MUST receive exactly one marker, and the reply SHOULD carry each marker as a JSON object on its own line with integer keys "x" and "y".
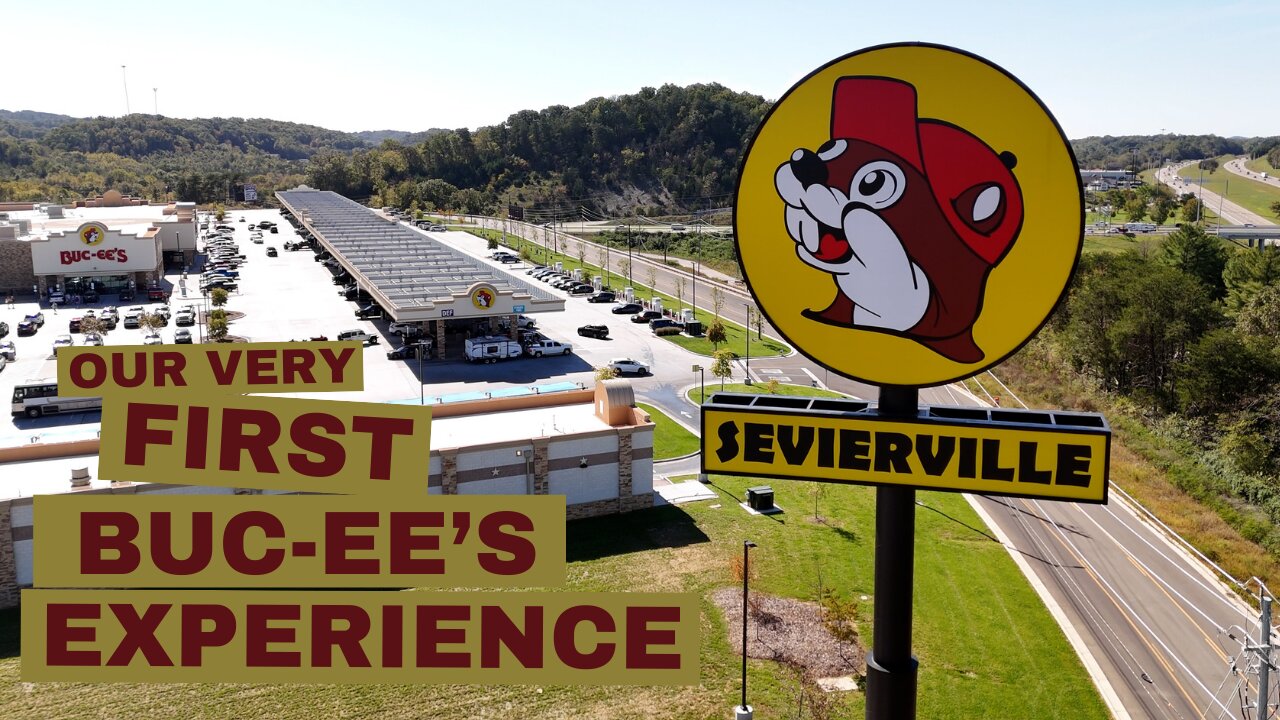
{"x": 627, "y": 365}
{"x": 162, "y": 310}
{"x": 152, "y": 339}
{"x": 62, "y": 341}
{"x": 93, "y": 339}
{"x": 401, "y": 328}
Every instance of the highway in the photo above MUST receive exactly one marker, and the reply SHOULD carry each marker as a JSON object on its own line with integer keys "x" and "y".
{"x": 1231, "y": 213}
{"x": 1237, "y": 166}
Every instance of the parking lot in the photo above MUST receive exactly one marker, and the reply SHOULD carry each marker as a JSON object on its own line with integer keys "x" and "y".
{"x": 291, "y": 296}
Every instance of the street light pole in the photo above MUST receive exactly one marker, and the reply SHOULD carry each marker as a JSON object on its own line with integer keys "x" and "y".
{"x": 743, "y": 711}
{"x": 748, "y": 334}
{"x": 698, "y": 369}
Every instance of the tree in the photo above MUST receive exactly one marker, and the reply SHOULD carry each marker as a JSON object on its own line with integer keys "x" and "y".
{"x": 152, "y": 321}
{"x": 1136, "y": 209}
{"x": 717, "y": 300}
{"x": 606, "y": 373}
{"x": 680, "y": 291}
{"x": 602, "y": 260}
{"x": 218, "y": 297}
{"x": 1198, "y": 254}
{"x": 716, "y": 333}
{"x": 92, "y": 324}
{"x": 651, "y": 274}
{"x": 218, "y": 329}
{"x": 1222, "y": 373}
{"x": 219, "y": 212}
{"x": 1275, "y": 208}
{"x": 1210, "y": 165}
{"x": 1160, "y": 210}
{"x": 1247, "y": 273}
{"x": 722, "y": 365}
{"x": 1259, "y": 320}
{"x": 1190, "y": 210}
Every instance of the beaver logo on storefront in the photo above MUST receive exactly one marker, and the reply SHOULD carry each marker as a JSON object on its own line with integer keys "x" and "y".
{"x": 92, "y": 233}
{"x": 921, "y": 176}
{"x": 483, "y": 296}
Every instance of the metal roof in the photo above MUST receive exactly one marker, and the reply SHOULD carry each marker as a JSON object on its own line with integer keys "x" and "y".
{"x": 413, "y": 276}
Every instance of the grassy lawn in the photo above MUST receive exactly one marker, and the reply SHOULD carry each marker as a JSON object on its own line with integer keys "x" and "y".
{"x": 1254, "y": 196}
{"x": 670, "y": 438}
{"x": 987, "y": 646}
{"x": 735, "y": 334}
{"x": 1260, "y": 165}
{"x": 695, "y": 394}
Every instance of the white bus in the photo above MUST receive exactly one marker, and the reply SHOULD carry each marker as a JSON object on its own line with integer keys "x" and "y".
{"x": 36, "y": 398}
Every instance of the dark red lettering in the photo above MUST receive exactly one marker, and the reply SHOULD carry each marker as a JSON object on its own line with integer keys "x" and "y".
{"x": 303, "y": 434}
{"x": 337, "y": 543}
{"x": 258, "y": 367}
{"x": 168, "y": 369}
{"x": 259, "y": 634}
{"x": 404, "y": 542}
{"x": 88, "y": 361}
{"x": 235, "y": 440}
{"x": 223, "y": 374}
{"x": 195, "y": 638}
{"x": 324, "y": 636}
{"x": 494, "y": 535}
{"x": 139, "y": 635}
{"x": 297, "y": 363}
{"x": 566, "y": 631}
{"x": 500, "y": 631}
{"x": 431, "y": 636}
{"x": 59, "y": 633}
{"x": 162, "y": 543}
{"x": 233, "y": 542}
{"x": 640, "y": 637}
{"x": 382, "y": 431}
{"x": 94, "y": 543}
{"x": 197, "y": 437}
{"x": 138, "y": 435}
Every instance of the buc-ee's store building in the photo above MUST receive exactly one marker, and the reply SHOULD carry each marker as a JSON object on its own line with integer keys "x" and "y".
{"x": 94, "y": 256}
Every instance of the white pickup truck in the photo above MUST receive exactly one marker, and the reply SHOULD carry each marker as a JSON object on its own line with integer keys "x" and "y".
{"x": 539, "y": 348}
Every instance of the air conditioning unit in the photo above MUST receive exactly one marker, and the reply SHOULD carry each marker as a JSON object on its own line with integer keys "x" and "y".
{"x": 760, "y": 498}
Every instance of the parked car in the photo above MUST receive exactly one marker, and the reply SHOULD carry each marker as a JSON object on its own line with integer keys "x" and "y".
{"x": 62, "y": 341}
{"x": 26, "y": 327}
{"x": 4, "y": 329}
{"x": 275, "y": 229}
{"x": 404, "y": 328}
{"x": 368, "y": 312}
{"x": 359, "y": 335}
{"x": 8, "y": 350}
{"x": 595, "y": 331}
{"x": 602, "y": 297}
{"x": 645, "y": 316}
{"x": 74, "y": 325}
{"x": 152, "y": 339}
{"x": 535, "y": 269}
{"x": 581, "y": 289}
{"x": 548, "y": 347}
{"x": 408, "y": 351}
{"x": 126, "y": 295}
{"x": 185, "y": 317}
{"x": 628, "y": 309}
{"x": 182, "y": 336}
{"x": 272, "y": 252}
{"x": 36, "y": 318}
{"x": 157, "y": 294}
{"x": 623, "y": 366}
{"x": 660, "y": 323}
{"x": 92, "y": 340}
{"x": 90, "y": 296}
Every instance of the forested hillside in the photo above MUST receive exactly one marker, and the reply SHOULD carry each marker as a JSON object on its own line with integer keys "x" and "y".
{"x": 665, "y": 149}
{"x": 659, "y": 151}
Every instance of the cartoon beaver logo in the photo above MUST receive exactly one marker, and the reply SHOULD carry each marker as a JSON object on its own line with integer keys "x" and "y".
{"x": 908, "y": 215}
{"x": 91, "y": 235}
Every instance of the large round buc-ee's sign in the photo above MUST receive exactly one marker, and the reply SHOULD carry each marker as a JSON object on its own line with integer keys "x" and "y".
{"x": 908, "y": 215}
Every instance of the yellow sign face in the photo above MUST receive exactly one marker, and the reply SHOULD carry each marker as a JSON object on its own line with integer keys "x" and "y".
{"x": 483, "y": 297}
{"x": 350, "y": 637}
{"x": 267, "y": 443}
{"x": 93, "y": 233}
{"x": 908, "y": 215}
{"x": 201, "y": 370}
{"x": 298, "y": 541}
{"x": 1025, "y": 460}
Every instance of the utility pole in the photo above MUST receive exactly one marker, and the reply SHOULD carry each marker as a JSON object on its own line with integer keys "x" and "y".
{"x": 124, "y": 77}
{"x": 155, "y": 98}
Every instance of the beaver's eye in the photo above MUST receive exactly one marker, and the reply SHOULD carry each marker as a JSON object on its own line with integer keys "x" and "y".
{"x": 878, "y": 184}
{"x": 832, "y": 149}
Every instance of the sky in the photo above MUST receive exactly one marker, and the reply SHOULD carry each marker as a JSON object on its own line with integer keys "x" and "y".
{"x": 1120, "y": 67}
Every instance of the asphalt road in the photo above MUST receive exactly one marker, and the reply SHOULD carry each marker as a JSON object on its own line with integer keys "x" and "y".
{"x": 1237, "y": 166}
{"x": 1230, "y": 212}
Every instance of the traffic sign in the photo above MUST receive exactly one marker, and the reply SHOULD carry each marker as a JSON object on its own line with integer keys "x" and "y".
{"x": 908, "y": 215}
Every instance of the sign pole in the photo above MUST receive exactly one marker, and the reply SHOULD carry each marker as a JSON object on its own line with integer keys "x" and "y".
{"x": 891, "y": 668}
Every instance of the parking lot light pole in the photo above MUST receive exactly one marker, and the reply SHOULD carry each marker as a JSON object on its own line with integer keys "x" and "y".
{"x": 698, "y": 369}
{"x": 743, "y": 711}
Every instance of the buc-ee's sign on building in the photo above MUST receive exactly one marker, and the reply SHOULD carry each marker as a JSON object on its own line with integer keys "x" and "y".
{"x": 93, "y": 247}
